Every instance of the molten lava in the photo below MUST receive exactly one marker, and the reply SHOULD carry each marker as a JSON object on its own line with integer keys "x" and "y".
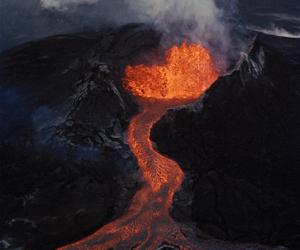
{"x": 187, "y": 73}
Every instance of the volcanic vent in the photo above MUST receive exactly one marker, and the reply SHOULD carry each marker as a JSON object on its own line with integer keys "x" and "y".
{"x": 188, "y": 71}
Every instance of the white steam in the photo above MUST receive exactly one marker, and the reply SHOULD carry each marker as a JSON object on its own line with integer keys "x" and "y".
{"x": 276, "y": 31}
{"x": 195, "y": 20}
{"x": 199, "y": 21}
{"x": 65, "y": 4}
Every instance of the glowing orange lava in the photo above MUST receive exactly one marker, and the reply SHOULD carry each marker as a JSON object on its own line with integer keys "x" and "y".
{"x": 187, "y": 73}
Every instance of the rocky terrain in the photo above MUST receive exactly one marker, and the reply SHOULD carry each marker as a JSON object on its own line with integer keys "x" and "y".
{"x": 239, "y": 147}
{"x": 66, "y": 169}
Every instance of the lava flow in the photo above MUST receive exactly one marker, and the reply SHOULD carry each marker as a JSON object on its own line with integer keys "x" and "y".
{"x": 187, "y": 73}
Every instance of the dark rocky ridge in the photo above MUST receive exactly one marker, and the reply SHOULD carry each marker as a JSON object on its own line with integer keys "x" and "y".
{"x": 239, "y": 147}
{"x": 65, "y": 167}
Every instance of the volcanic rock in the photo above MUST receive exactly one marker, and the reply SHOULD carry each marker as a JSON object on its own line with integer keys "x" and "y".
{"x": 66, "y": 168}
{"x": 239, "y": 147}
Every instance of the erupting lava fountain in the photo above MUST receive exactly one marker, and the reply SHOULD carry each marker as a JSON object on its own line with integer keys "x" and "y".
{"x": 187, "y": 73}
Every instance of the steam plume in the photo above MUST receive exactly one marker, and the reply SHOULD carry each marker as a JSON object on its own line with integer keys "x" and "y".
{"x": 208, "y": 22}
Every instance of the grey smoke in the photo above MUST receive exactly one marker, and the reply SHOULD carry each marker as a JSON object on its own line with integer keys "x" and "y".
{"x": 194, "y": 20}
{"x": 213, "y": 23}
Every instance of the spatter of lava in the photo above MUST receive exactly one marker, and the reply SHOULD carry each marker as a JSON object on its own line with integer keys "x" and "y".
{"x": 187, "y": 73}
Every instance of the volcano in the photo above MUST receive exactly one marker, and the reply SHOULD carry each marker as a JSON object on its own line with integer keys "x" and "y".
{"x": 67, "y": 170}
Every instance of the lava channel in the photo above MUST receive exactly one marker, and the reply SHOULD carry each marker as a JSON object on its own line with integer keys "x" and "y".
{"x": 187, "y": 73}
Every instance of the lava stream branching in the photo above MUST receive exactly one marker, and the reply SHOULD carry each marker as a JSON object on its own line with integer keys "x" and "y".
{"x": 187, "y": 73}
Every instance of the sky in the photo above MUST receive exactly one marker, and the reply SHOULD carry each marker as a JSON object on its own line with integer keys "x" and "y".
{"x": 22, "y": 21}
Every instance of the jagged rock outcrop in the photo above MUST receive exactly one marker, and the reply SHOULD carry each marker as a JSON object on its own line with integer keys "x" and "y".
{"x": 239, "y": 147}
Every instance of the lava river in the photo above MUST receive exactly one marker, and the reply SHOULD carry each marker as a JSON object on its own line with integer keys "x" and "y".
{"x": 188, "y": 71}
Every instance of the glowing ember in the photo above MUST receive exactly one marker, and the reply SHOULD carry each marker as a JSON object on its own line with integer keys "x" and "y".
{"x": 188, "y": 72}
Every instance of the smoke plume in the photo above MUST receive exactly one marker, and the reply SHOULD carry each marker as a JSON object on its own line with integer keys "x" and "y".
{"x": 214, "y": 24}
